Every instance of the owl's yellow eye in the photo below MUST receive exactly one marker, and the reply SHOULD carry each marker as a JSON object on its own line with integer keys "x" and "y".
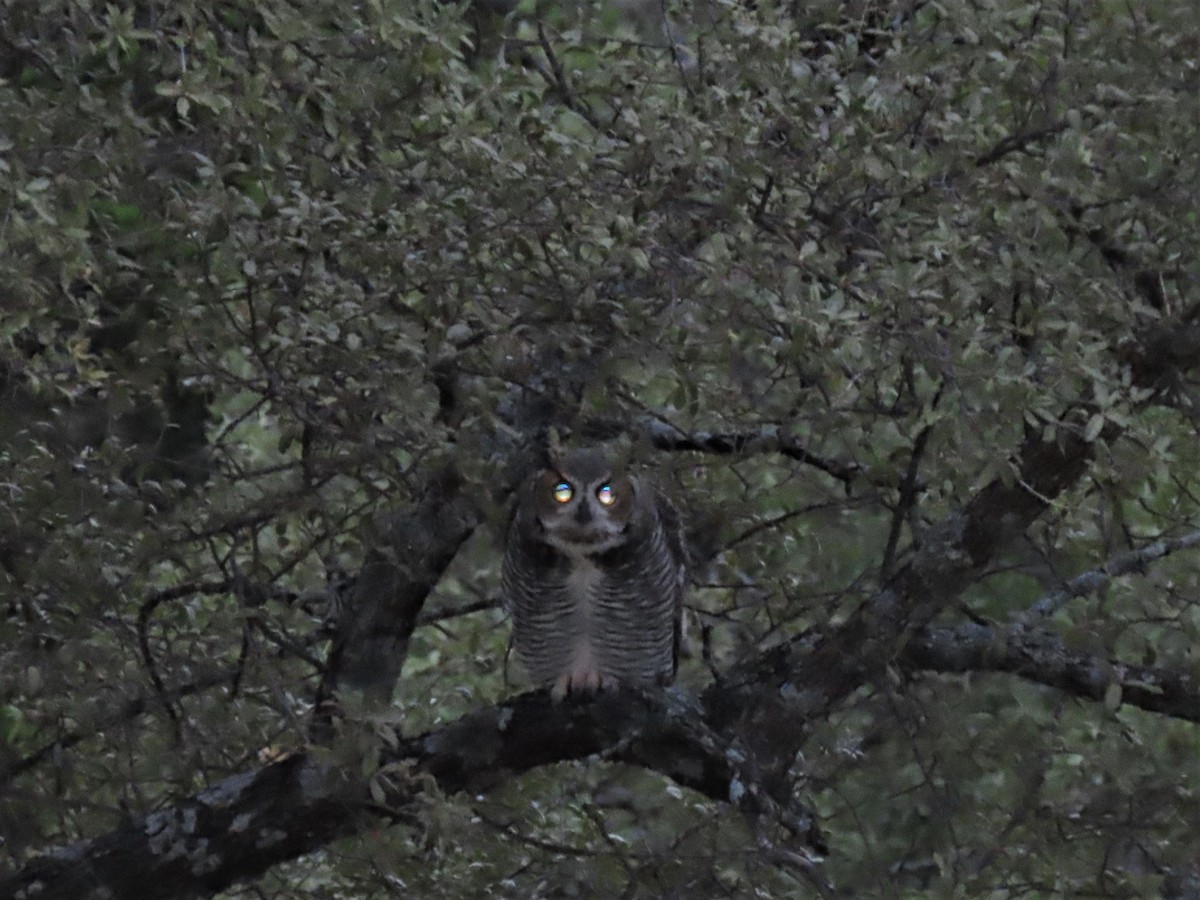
{"x": 563, "y": 492}
{"x": 606, "y": 495}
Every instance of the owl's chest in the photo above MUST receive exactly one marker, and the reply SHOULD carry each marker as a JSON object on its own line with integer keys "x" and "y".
{"x": 589, "y": 585}
{"x": 584, "y": 583}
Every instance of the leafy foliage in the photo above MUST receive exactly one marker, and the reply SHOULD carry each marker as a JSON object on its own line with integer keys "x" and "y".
{"x": 270, "y": 270}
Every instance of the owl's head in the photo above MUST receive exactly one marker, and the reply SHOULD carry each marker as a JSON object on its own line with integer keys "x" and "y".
{"x": 583, "y": 505}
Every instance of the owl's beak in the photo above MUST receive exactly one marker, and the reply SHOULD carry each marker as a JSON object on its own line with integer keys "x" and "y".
{"x": 583, "y": 514}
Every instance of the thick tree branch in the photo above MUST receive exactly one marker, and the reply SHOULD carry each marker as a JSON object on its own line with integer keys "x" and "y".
{"x": 1039, "y": 655}
{"x": 1161, "y": 354}
{"x": 249, "y": 822}
{"x": 245, "y": 824}
{"x": 773, "y": 699}
{"x": 372, "y": 634}
{"x": 239, "y": 827}
{"x": 1019, "y": 142}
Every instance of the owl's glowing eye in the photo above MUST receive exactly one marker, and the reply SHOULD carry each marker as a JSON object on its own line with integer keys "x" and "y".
{"x": 563, "y": 492}
{"x": 606, "y": 495}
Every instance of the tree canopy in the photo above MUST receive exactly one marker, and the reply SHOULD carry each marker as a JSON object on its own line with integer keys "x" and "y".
{"x": 898, "y": 299}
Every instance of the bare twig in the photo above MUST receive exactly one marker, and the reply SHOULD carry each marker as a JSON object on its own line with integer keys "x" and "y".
{"x": 558, "y": 79}
{"x": 1014, "y": 143}
{"x": 1122, "y": 564}
{"x": 145, "y": 611}
{"x": 666, "y": 436}
{"x": 909, "y": 490}
{"x": 130, "y": 709}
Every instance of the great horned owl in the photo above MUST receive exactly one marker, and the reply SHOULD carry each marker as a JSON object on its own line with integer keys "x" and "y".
{"x": 594, "y": 574}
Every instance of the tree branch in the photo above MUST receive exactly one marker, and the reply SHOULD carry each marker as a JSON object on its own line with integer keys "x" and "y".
{"x": 665, "y": 436}
{"x": 249, "y": 822}
{"x": 371, "y": 639}
{"x": 1133, "y": 561}
{"x": 774, "y": 698}
{"x": 130, "y": 709}
{"x": 245, "y": 824}
{"x": 1018, "y": 142}
{"x": 1039, "y": 655}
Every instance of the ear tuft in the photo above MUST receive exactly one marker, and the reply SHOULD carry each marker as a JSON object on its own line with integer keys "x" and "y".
{"x": 555, "y": 451}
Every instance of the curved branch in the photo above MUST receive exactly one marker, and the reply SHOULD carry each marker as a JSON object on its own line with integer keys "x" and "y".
{"x": 249, "y": 822}
{"x": 245, "y": 824}
{"x": 665, "y": 436}
{"x": 145, "y": 611}
{"x": 1039, "y": 655}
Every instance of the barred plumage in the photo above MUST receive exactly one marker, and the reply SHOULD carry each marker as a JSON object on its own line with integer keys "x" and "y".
{"x": 594, "y": 575}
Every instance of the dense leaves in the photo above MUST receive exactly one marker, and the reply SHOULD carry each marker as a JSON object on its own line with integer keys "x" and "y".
{"x": 898, "y": 298}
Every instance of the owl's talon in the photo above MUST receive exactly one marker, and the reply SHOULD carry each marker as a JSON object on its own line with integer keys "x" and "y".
{"x": 561, "y": 686}
{"x": 582, "y": 683}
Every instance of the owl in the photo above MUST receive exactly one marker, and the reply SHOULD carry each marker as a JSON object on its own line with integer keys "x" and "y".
{"x": 594, "y": 574}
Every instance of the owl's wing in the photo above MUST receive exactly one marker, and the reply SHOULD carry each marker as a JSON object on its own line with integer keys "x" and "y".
{"x": 675, "y": 540}
{"x": 523, "y": 552}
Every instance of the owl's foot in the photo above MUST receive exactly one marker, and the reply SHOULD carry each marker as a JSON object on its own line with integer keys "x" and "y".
{"x": 582, "y": 681}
